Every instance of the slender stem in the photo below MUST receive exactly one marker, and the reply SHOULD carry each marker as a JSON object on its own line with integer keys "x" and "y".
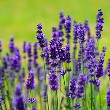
{"x": 3, "y": 97}
{"x": 91, "y": 95}
{"x": 94, "y": 95}
{"x": 100, "y": 100}
{"x": 47, "y": 102}
{"x": 56, "y": 101}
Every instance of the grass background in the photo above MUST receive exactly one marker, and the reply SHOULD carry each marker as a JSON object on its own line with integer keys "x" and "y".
{"x": 19, "y": 17}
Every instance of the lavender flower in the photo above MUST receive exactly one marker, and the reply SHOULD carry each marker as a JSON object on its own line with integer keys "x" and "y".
{"x": 72, "y": 88}
{"x": 4, "y": 62}
{"x": 14, "y": 62}
{"x": 81, "y": 79}
{"x": 81, "y": 33}
{"x": 35, "y": 56}
{"x": 108, "y": 67}
{"x": 61, "y": 54}
{"x": 0, "y": 45}
{"x": 68, "y": 24}
{"x": 30, "y": 82}
{"x": 87, "y": 28}
{"x": 89, "y": 50}
{"x": 22, "y": 75}
{"x": 77, "y": 106}
{"x": 62, "y": 20}
{"x": 18, "y": 100}
{"x": 99, "y": 66}
{"x": 47, "y": 55}
{"x": 1, "y": 101}
{"x": 53, "y": 81}
{"x": 67, "y": 54}
{"x": 75, "y": 32}
{"x": 40, "y": 75}
{"x": 24, "y": 46}
{"x": 99, "y": 24}
{"x": 28, "y": 50}
{"x": 79, "y": 91}
{"x": 108, "y": 97}
{"x": 68, "y": 28}
{"x": 11, "y": 44}
{"x": 40, "y": 36}
{"x": 62, "y": 72}
{"x": 95, "y": 81}
{"x": 44, "y": 93}
{"x": 31, "y": 100}
{"x": 17, "y": 53}
{"x": 55, "y": 33}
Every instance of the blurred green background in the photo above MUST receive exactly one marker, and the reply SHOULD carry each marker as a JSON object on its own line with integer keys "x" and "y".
{"x": 19, "y": 17}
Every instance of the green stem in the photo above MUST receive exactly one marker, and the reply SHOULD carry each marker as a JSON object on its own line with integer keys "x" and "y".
{"x": 56, "y": 101}
{"x": 100, "y": 100}
{"x": 91, "y": 95}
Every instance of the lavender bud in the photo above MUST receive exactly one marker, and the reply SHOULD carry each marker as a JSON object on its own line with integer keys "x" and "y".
{"x": 0, "y": 45}
{"x": 24, "y": 46}
{"x": 11, "y": 44}
{"x": 31, "y": 100}
{"x": 77, "y": 106}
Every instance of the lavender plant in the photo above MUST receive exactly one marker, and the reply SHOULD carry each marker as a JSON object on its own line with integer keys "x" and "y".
{"x": 65, "y": 76}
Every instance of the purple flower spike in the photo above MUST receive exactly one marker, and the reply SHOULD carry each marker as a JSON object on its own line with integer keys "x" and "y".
{"x": 108, "y": 67}
{"x": 68, "y": 25}
{"x": 44, "y": 93}
{"x": 72, "y": 88}
{"x": 53, "y": 81}
{"x": 75, "y": 31}
{"x": 99, "y": 66}
{"x": 14, "y": 62}
{"x": 4, "y": 62}
{"x": 30, "y": 82}
{"x": 95, "y": 81}
{"x": 24, "y": 46}
{"x": 18, "y": 100}
{"x": 81, "y": 79}
{"x": 11, "y": 44}
{"x": 87, "y": 28}
{"x": 99, "y": 24}
{"x": 40, "y": 36}
{"x": 81, "y": 33}
{"x": 0, "y": 45}
{"x": 108, "y": 97}
{"x": 28, "y": 50}
{"x": 62, "y": 17}
{"x": 79, "y": 91}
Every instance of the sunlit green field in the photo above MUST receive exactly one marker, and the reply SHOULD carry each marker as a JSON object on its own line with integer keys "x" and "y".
{"x": 20, "y": 18}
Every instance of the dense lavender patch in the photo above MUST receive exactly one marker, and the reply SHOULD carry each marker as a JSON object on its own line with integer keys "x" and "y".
{"x": 63, "y": 73}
